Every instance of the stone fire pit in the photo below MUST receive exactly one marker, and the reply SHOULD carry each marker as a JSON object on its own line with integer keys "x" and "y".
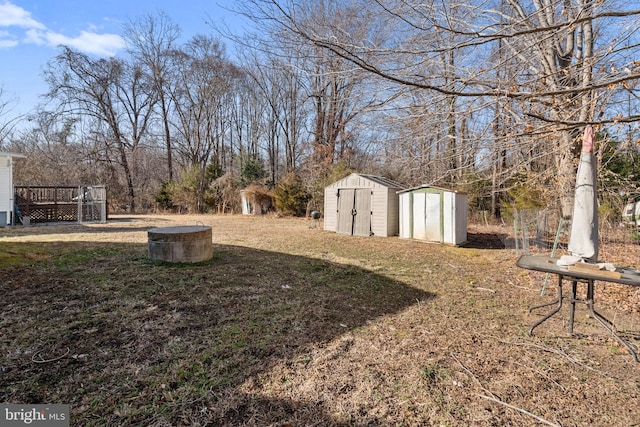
{"x": 186, "y": 243}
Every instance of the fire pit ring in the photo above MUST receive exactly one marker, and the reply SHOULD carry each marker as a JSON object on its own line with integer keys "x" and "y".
{"x": 186, "y": 243}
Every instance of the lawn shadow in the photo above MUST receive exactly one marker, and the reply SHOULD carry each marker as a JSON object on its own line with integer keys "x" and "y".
{"x": 485, "y": 241}
{"x": 130, "y": 341}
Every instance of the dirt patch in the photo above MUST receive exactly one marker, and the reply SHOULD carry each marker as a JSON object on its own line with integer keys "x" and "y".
{"x": 292, "y": 325}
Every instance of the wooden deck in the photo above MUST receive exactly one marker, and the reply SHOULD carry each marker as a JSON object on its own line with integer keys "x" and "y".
{"x": 60, "y": 203}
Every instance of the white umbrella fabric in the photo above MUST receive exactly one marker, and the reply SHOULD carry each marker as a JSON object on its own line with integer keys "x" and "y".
{"x": 583, "y": 240}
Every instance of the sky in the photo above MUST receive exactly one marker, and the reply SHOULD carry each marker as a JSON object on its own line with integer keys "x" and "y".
{"x": 32, "y": 31}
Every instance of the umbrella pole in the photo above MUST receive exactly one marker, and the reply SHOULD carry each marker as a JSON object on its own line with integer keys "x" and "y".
{"x": 515, "y": 230}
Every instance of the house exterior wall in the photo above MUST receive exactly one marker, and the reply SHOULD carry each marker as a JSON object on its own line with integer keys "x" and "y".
{"x": 6, "y": 190}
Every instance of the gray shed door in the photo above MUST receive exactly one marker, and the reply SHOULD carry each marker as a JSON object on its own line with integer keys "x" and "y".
{"x": 354, "y": 212}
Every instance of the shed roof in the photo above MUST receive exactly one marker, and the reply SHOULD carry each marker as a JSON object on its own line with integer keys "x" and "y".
{"x": 380, "y": 180}
{"x": 420, "y": 187}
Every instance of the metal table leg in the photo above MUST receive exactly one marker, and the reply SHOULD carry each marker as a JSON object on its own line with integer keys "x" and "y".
{"x": 574, "y": 294}
{"x": 551, "y": 313}
{"x": 604, "y": 322}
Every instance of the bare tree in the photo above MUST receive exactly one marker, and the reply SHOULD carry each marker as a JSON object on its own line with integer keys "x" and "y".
{"x": 53, "y": 152}
{"x": 565, "y": 59}
{"x": 7, "y": 124}
{"x": 112, "y": 92}
{"x": 201, "y": 92}
{"x": 280, "y": 82}
{"x": 336, "y": 92}
{"x": 151, "y": 40}
{"x": 249, "y": 123}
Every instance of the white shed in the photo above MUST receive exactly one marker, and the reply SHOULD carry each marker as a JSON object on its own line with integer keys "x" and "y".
{"x": 362, "y": 205}
{"x": 6, "y": 187}
{"x": 433, "y": 214}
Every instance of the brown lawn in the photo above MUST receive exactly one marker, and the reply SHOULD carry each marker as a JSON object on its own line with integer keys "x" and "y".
{"x": 289, "y": 325}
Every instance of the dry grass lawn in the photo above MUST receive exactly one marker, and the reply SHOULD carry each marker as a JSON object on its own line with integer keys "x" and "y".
{"x": 289, "y": 325}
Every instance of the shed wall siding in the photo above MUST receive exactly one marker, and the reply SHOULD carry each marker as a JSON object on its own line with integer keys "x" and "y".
{"x": 392, "y": 207}
{"x": 379, "y": 208}
{"x": 405, "y": 215}
{"x": 449, "y": 217}
{"x": 434, "y": 215}
{"x": 461, "y": 218}
{"x": 330, "y": 209}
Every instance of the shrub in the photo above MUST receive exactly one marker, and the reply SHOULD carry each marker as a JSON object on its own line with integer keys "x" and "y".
{"x": 163, "y": 198}
{"x": 291, "y": 196}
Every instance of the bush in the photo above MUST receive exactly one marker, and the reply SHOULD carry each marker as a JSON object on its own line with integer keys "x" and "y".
{"x": 223, "y": 194}
{"x": 523, "y": 195}
{"x": 291, "y": 196}
{"x": 163, "y": 198}
{"x": 253, "y": 171}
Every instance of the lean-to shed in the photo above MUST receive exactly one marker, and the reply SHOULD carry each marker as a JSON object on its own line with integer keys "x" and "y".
{"x": 362, "y": 205}
{"x": 433, "y": 214}
{"x": 6, "y": 187}
{"x": 255, "y": 200}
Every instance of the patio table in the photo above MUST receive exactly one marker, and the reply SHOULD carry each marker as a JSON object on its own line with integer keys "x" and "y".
{"x": 579, "y": 275}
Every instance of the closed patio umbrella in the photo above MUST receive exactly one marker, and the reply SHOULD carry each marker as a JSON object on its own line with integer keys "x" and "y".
{"x": 583, "y": 240}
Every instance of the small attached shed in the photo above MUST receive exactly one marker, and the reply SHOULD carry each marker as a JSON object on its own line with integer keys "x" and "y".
{"x": 362, "y": 205}
{"x": 6, "y": 187}
{"x": 433, "y": 214}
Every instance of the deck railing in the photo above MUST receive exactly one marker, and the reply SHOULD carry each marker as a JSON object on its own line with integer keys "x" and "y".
{"x": 44, "y": 203}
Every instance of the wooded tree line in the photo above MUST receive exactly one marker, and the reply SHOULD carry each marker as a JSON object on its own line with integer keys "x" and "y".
{"x": 485, "y": 97}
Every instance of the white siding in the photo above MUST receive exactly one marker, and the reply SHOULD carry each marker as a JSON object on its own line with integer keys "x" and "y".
{"x": 461, "y": 219}
{"x": 6, "y": 190}
{"x": 451, "y": 224}
{"x": 405, "y": 215}
{"x": 434, "y": 215}
{"x": 419, "y": 216}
